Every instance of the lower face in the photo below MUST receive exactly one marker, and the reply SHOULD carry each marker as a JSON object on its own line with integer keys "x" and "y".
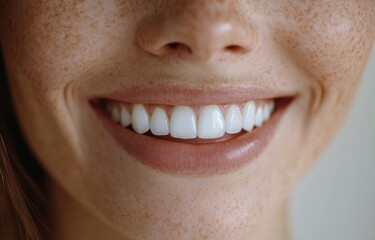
{"x": 168, "y": 147}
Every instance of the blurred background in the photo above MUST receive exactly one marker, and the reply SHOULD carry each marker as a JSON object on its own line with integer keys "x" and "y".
{"x": 336, "y": 200}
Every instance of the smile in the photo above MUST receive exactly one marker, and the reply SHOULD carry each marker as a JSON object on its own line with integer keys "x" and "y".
{"x": 191, "y": 139}
{"x": 185, "y": 122}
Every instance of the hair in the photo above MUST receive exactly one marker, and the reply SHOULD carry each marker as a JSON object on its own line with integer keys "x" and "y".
{"x": 22, "y": 191}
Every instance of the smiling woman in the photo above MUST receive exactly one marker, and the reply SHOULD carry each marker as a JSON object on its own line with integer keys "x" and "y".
{"x": 169, "y": 119}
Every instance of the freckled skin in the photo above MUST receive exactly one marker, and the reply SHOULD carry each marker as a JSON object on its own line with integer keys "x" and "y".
{"x": 60, "y": 53}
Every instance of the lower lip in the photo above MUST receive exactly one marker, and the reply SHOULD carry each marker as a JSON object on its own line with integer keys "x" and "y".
{"x": 179, "y": 158}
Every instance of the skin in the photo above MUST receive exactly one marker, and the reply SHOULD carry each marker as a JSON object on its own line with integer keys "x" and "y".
{"x": 57, "y": 55}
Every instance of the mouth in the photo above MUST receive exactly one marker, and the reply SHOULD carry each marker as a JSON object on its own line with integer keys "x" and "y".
{"x": 194, "y": 139}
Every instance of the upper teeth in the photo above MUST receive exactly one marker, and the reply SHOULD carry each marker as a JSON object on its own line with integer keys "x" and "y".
{"x": 212, "y": 121}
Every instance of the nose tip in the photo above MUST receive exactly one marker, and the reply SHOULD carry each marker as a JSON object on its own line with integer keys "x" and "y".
{"x": 198, "y": 38}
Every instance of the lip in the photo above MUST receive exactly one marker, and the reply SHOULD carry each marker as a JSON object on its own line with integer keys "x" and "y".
{"x": 184, "y": 158}
{"x": 204, "y": 95}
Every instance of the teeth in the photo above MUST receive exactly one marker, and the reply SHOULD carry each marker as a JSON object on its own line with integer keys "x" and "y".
{"x": 211, "y": 123}
{"x": 185, "y": 124}
{"x": 267, "y": 111}
{"x": 258, "y": 121}
{"x": 115, "y": 112}
{"x": 159, "y": 122}
{"x": 271, "y": 106}
{"x": 233, "y": 120}
{"x": 125, "y": 117}
{"x": 140, "y": 119}
{"x": 248, "y": 116}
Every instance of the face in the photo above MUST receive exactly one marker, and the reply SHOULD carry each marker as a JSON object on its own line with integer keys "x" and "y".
{"x": 74, "y": 67}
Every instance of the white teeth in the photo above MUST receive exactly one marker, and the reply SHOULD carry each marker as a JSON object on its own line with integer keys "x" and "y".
{"x": 183, "y": 123}
{"x": 125, "y": 117}
{"x": 258, "y": 121}
{"x": 211, "y": 123}
{"x": 248, "y": 116}
{"x": 159, "y": 122}
{"x": 266, "y": 111}
{"x": 140, "y": 119}
{"x": 115, "y": 112}
{"x": 233, "y": 120}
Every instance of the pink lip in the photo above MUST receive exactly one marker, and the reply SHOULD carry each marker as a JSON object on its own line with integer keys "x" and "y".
{"x": 182, "y": 158}
{"x": 173, "y": 95}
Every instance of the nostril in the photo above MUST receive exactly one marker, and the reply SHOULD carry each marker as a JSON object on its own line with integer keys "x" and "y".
{"x": 178, "y": 47}
{"x": 173, "y": 45}
{"x": 235, "y": 49}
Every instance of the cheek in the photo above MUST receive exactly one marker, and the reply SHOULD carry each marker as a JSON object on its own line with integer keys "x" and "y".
{"x": 55, "y": 42}
{"x": 331, "y": 46}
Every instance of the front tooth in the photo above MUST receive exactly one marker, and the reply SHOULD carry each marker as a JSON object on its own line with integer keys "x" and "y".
{"x": 125, "y": 117}
{"x": 159, "y": 122}
{"x": 115, "y": 112}
{"x": 248, "y": 116}
{"x": 258, "y": 117}
{"x": 211, "y": 123}
{"x": 140, "y": 119}
{"x": 183, "y": 123}
{"x": 233, "y": 120}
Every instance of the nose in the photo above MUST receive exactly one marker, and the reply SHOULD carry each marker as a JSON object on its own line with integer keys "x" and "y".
{"x": 198, "y": 30}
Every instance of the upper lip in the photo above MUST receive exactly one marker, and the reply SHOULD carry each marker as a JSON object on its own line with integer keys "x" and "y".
{"x": 192, "y": 96}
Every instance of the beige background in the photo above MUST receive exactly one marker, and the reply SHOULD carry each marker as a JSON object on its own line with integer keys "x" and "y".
{"x": 336, "y": 200}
